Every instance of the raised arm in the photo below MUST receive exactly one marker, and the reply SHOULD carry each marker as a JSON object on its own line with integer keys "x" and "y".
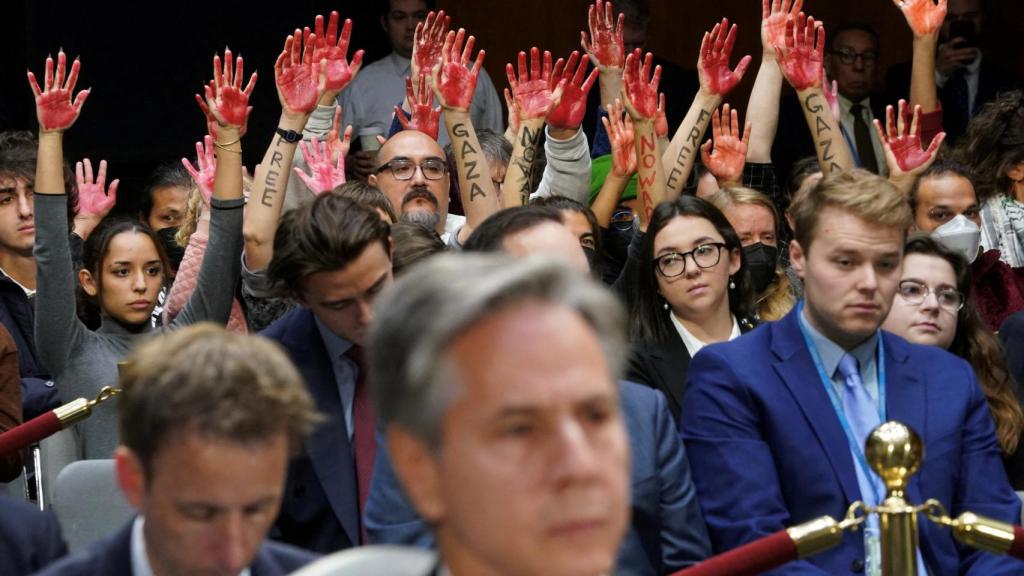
{"x": 716, "y": 80}
{"x": 419, "y": 100}
{"x": 301, "y": 81}
{"x": 801, "y": 60}
{"x": 325, "y": 160}
{"x": 454, "y": 85}
{"x": 925, "y": 18}
{"x": 640, "y": 96}
{"x": 605, "y": 48}
{"x": 94, "y": 201}
{"x": 902, "y": 143}
{"x": 621, "y": 135}
{"x": 726, "y": 162}
{"x": 764, "y": 98}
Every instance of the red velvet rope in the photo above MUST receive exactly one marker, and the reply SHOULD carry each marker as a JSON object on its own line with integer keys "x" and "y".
{"x": 29, "y": 433}
{"x": 750, "y": 559}
{"x": 1017, "y": 549}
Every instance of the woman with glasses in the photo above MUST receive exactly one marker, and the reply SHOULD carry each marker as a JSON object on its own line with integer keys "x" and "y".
{"x": 692, "y": 289}
{"x": 933, "y": 307}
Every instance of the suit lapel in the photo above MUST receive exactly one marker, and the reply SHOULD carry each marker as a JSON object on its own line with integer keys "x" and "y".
{"x": 671, "y": 359}
{"x": 329, "y": 447}
{"x": 796, "y": 369}
{"x": 116, "y": 559}
{"x": 905, "y": 397}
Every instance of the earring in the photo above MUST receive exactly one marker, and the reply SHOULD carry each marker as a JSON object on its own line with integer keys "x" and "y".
{"x": 666, "y": 305}
{"x": 732, "y": 284}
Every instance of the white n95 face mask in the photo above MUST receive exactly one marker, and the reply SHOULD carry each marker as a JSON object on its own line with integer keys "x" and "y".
{"x": 960, "y": 235}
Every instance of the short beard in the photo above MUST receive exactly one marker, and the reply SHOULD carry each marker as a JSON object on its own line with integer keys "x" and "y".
{"x": 425, "y": 218}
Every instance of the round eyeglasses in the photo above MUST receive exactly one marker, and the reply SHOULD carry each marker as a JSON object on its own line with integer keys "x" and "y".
{"x": 916, "y": 293}
{"x": 673, "y": 264}
{"x": 404, "y": 169}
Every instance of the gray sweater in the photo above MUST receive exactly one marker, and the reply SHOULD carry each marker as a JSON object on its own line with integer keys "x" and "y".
{"x": 81, "y": 361}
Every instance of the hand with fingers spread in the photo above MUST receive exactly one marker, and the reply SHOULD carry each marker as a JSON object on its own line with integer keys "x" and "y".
{"x": 801, "y": 59}
{"x": 428, "y": 41}
{"x": 533, "y": 89}
{"x": 420, "y": 100}
{"x": 455, "y": 83}
{"x": 334, "y": 49}
{"x": 227, "y": 101}
{"x": 713, "y": 64}
{"x": 204, "y": 174}
{"x": 730, "y": 153}
{"x": 925, "y": 17}
{"x": 335, "y": 145}
{"x": 622, "y": 138}
{"x": 300, "y": 79}
{"x": 324, "y": 174}
{"x": 902, "y": 143}
{"x": 93, "y": 200}
{"x": 513, "y": 117}
{"x": 568, "y": 115}
{"x": 606, "y": 48}
{"x": 774, "y": 14}
{"x": 55, "y": 109}
{"x": 641, "y": 94}
{"x": 831, "y": 92}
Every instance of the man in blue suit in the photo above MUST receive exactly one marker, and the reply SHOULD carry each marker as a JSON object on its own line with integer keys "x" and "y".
{"x": 775, "y": 422}
{"x": 333, "y": 256}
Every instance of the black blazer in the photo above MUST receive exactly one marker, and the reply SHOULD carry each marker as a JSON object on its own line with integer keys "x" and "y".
{"x": 29, "y": 538}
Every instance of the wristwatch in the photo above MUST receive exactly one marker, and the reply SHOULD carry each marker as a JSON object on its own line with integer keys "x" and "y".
{"x": 289, "y": 136}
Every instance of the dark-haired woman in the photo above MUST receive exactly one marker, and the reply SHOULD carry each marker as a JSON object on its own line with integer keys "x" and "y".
{"x": 691, "y": 290}
{"x": 933, "y": 306}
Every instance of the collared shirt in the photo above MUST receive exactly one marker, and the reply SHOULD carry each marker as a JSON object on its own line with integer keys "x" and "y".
{"x": 692, "y": 343}
{"x": 29, "y": 293}
{"x": 831, "y": 353}
{"x": 972, "y": 74}
{"x": 345, "y": 370}
{"x": 371, "y": 98}
{"x": 140, "y": 561}
{"x": 846, "y": 120}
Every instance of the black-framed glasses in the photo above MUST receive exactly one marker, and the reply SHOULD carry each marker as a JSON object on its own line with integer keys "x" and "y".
{"x": 849, "y": 56}
{"x": 916, "y": 293}
{"x": 673, "y": 264}
{"x": 405, "y": 169}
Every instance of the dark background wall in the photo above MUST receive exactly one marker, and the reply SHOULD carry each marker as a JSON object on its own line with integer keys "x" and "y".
{"x": 145, "y": 60}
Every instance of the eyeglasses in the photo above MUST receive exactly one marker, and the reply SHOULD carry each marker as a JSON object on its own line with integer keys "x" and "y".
{"x": 849, "y": 56}
{"x": 405, "y": 169}
{"x": 622, "y": 220}
{"x": 704, "y": 256}
{"x": 916, "y": 293}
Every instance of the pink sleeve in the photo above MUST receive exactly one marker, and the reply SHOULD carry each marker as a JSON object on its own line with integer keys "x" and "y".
{"x": 185, "y": 284}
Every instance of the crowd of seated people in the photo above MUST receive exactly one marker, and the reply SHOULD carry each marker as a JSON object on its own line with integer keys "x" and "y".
{"x": 579, "y": 338}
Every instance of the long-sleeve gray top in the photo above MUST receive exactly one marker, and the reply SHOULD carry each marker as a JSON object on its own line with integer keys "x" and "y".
{"x": 81, "y": 361}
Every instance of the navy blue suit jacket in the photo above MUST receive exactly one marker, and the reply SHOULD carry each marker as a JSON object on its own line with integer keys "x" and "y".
{"x": 29, "y": 538}
{"x": 667, "y": 531}
{"x": 768, "y": 451}
{"x": 320, "y": 507}
{"x": 112, "y": 556}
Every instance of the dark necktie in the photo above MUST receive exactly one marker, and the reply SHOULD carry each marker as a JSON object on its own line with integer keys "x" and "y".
{"x": 364, "y": 424}
{"x": 956, "y": 113}
{"x": 862, "y": 137}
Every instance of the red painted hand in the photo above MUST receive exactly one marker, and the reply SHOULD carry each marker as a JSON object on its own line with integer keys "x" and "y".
{"x": 726, "y": 162}
{"x": 774, "y": 14}
{"x": 203, "y": 176}
{"x": 425, "y": 117}
{"x": 573, "y": 106}
{"x": 227, "y": 102}
{"x": 54, "y": 108}
{"x": 608, "y": 49}
{"x": 334, "y": 142}
{"x": 903, "y": 146}
{"x": 533, "y": 89}
{"x": 713, "y": 63}
{"x": 324, "y": 174}
{"x": 801, "y": 58}
{"x": 428, "y": 41}
{"x": 513, "y": 112}
{"x": 92, "y": 200}
{"x": 831, "y": 91}
{"x": 661, "y": 122}
{"x": 925, "y": 17}
{"x": 334, "y": 49}
{"x": 622, "y": 138}
{"x": 454, "y": 82}
{"x": 641, "y": 95}
{"x": 300, "y": 79}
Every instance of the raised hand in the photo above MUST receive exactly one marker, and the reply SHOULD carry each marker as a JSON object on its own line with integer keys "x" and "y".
{"x": 329, "y": 46}
{"x": 533, "y": 90}
{"x": 774, "y": 14}
{"x": 607, "y": 50}
{"x": 622, "y": 138}
{"x": 661, "y": 122}
{"x": 902, "y": 143}
{"x": 726, "y": 162}
{"x": 513, "y": 116}
{"x": 454, "y": 82}
{"x": 713, "y": 64}
{"x": 203, "y": 175}
{"x": 641, "y": 94}
{"x": 93, "y": 200}
{"x": 802, "y": 57}
{"x": 569, "y": 113}
{"x": 428, "y": 41}
{"x": 334, "y": 142}
{"x": 925, "y": 17}
{"x": 420, "y": 99}
{"x": 831, "y": 91}
{"x": 55, "y": 110}
{"x": 300, "y": 79}
{"x": 226, "y": 101}
{"x": 325, "y": 174}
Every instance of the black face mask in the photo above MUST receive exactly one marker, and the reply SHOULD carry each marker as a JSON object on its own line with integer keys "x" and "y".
{"x": 761, "y": 262}
{"x": 593, "y": 260}
{"x": 175, "y": 253}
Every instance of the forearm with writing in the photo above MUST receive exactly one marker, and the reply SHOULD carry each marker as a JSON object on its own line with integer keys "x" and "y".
{"x": 678, "y": 159}
{"x": 478, "y": 197}
{"x": 829, "y": 144}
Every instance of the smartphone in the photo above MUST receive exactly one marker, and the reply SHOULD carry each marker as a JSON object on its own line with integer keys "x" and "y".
{"x": 963, "y": 29}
